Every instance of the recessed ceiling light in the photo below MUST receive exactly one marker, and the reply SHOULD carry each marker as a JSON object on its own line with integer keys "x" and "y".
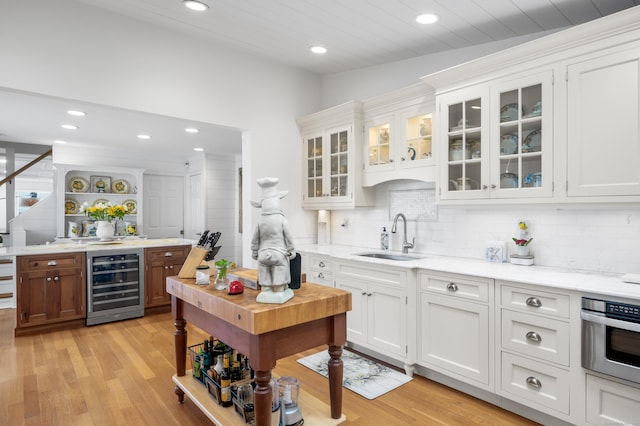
{"x": 60, "y": 142}
{"x": 195, "y": 5}
{"x": 76, "y": 113}
{"x": 191, "y": 130}
{"x": 69, "y": 127}
{"x": 318, "y": 50}
{"x": 198, "y": 149}
{"x": 144, "y": 137}
{"x": 427, "y": 18}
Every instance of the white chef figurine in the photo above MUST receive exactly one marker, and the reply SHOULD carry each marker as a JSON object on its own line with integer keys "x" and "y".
{"x": 272, "y": 245}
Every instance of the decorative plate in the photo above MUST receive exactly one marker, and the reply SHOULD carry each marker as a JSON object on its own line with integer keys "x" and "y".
{"x": 509, "y": 112}
{"x": 71, "y": 206}
{"x": 508, "y": 144}
{"x": 533, "y": 141}
{"x": 132, "y": 206}
{"x": 120, "y": 186}
{"x": 101, "y": 201}
{"x": 78, "y": 184}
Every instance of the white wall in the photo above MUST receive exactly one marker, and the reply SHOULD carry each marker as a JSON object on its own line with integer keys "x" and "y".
{"x": 601, "y": 239}
{"x": 71, "y": 50}
{"x": 374, "y": 81}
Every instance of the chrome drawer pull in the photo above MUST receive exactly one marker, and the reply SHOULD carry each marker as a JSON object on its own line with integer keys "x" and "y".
{"x": 364, "y": 293}
{"x": 52, "y": 263}
{"x": 533, "y": 302}
{"x": 168, "y": 254}
{"x": 48, "y": 278}
{"x": 533, "y": 382}
{"x": 321, "y": 264}
{"x": 320, "y": 275}
{"x": 56, "y": 278}
{"x": 534, "y": 337}
{"x": 452, "y": 287}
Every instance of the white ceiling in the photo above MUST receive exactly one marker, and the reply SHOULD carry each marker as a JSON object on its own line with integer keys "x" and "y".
{"x": 357, "y": 33}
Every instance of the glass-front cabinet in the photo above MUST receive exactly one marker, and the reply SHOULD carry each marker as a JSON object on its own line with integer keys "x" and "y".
{"x": 378, "y": 139}
{"x": 328, "y": 165}
{"x": 499, "y": 148}
{"x": 417, "y": 147}
{"x": 331, "y": 164}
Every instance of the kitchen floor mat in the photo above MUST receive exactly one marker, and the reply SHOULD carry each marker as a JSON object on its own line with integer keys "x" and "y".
{"x": 360, "y": 375}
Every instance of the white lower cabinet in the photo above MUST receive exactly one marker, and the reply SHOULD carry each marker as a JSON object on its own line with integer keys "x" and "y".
{"x": 379, "y": 307}
{"x": 611, "y": 403}
{"x": 534, "y": 353}
{"x": 319, "y": 269}
{"x": 455, "y": 327}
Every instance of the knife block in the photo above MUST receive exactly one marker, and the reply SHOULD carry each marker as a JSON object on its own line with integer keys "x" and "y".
{"x": 196, "y": 256}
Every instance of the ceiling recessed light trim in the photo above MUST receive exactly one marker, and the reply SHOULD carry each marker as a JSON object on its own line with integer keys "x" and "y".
{"x": 198, "y": 149}
{"x": 76, "y": 113}
{"x": 318, "y": 50}
{"x": 69, "y": 127}
{"x": 427, "y": 18}
{"x": 196, "y": 5}
{"x": 191, "y": 130}
{"x": 143, "y": 136}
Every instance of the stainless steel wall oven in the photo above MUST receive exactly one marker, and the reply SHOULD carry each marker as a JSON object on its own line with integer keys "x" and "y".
{"x": 611, "y": 338}
{"x": 115, "y": 285}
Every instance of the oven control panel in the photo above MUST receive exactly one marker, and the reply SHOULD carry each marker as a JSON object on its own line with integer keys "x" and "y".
{"x": 623, "y": 310}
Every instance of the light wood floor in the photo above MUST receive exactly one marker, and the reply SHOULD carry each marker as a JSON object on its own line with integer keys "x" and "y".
{"x": 120, "y": 374}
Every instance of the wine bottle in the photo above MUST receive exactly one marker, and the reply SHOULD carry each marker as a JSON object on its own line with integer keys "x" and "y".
{"x": 205, "y": 360}
{"x": 225, "y": 383}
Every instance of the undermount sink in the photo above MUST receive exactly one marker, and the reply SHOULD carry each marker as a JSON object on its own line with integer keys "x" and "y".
{"x": 389, "y": 256}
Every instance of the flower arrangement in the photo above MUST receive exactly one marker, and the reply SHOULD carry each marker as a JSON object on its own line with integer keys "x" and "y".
{"x": 102, "y": 211}
{"x": 524, "y": 239}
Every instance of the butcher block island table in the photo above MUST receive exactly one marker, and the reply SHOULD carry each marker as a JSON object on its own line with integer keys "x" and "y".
{"x": 315, "y": 316}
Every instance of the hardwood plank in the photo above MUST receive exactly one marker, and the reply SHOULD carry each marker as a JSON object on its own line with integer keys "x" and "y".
{"x": 121, "y": 374}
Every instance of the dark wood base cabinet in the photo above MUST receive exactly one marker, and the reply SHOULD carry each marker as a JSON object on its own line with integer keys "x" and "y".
{"x": 51, "y": 291}
{"x": 160, "y": 263}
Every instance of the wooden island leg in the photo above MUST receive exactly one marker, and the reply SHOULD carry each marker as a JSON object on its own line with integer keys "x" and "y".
{"x": 262, "y": 398}
{"x": 180, "y": 342}
{"x": 335, "y": 380}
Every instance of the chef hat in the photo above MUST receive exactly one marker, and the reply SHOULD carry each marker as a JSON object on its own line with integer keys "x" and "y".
{"x": 269, "y": 187}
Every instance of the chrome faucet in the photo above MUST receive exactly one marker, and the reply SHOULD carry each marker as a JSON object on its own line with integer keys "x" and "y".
{"x": 405, "y": 244}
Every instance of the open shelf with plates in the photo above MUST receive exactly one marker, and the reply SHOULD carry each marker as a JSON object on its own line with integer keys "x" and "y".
{"x": 78, "y": 186}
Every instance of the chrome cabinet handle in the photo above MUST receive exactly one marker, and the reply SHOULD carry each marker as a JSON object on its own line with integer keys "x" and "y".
{"x": 56, "y": 278}
{"x": 534, "y": 302}
{"x": 52, "y": 263}
{"x": 168, "y": 254}
{"x": 320, "y": 275}
{"x": 402, "y": 159}
{"x": 493, "y": 186}
{"x": 171, "y": 267}
{"x": 484, "y": 187}
{"x": 369, "y": 294}
{"x": 166, "y": 267}
{"x": 532, "y": 336}
{"x": 48, "y": 278}
{"x": 533, "y": 382}
{"x": 452, "y": 287}
{"x": 364, "y": 293}
{"x": 321, "y": 264}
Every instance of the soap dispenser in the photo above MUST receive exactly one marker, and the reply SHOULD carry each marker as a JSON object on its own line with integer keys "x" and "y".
{"x": 384, "y": 239}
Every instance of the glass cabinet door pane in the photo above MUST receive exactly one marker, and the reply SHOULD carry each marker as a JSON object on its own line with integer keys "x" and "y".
{"x": 465, "y": 146}
{"x": 378, "y": 144}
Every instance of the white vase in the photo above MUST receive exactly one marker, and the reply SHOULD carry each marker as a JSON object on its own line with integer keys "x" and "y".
{"x": 105, "y": 229}
{"x": 523, "y": 250}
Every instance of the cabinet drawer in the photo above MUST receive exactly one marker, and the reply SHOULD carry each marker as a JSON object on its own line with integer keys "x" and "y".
{"x": 543, "y": 338}
{"x": 457, "y": 286}
{"x": 528, "y": 300}
{"x": 173, "y": 253}
{"x": 533, "y": 381}
{"x": 320, "y": 263}
{"x": 610, "y": 403}
{"x": 54, "y": 261}
{"x": 320, "y": 277}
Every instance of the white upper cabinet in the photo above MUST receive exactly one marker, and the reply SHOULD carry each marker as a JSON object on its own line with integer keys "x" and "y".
{"x": 398, "y": 136}
{"x": 498, "y": 139}
{"x": 603, "y": 116}
{"x": 331, "y": 164}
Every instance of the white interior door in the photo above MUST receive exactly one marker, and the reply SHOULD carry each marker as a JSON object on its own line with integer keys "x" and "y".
{"x": 163, "y": 206}
{"x": 195, "y": 212}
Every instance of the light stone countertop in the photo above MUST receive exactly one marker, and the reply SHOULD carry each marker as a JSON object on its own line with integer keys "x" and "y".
{"x": 586, "y": 282}
{"x": 67, "y": 245}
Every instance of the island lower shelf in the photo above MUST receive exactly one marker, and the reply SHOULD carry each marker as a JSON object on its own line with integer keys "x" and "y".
{"x": 314, "y": 411}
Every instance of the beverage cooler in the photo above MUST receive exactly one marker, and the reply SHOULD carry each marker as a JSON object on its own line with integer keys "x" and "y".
{"x": 115, "y": 285}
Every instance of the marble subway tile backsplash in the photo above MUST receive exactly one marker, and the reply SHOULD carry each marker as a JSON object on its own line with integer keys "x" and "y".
{"x": 588, "y": 238}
